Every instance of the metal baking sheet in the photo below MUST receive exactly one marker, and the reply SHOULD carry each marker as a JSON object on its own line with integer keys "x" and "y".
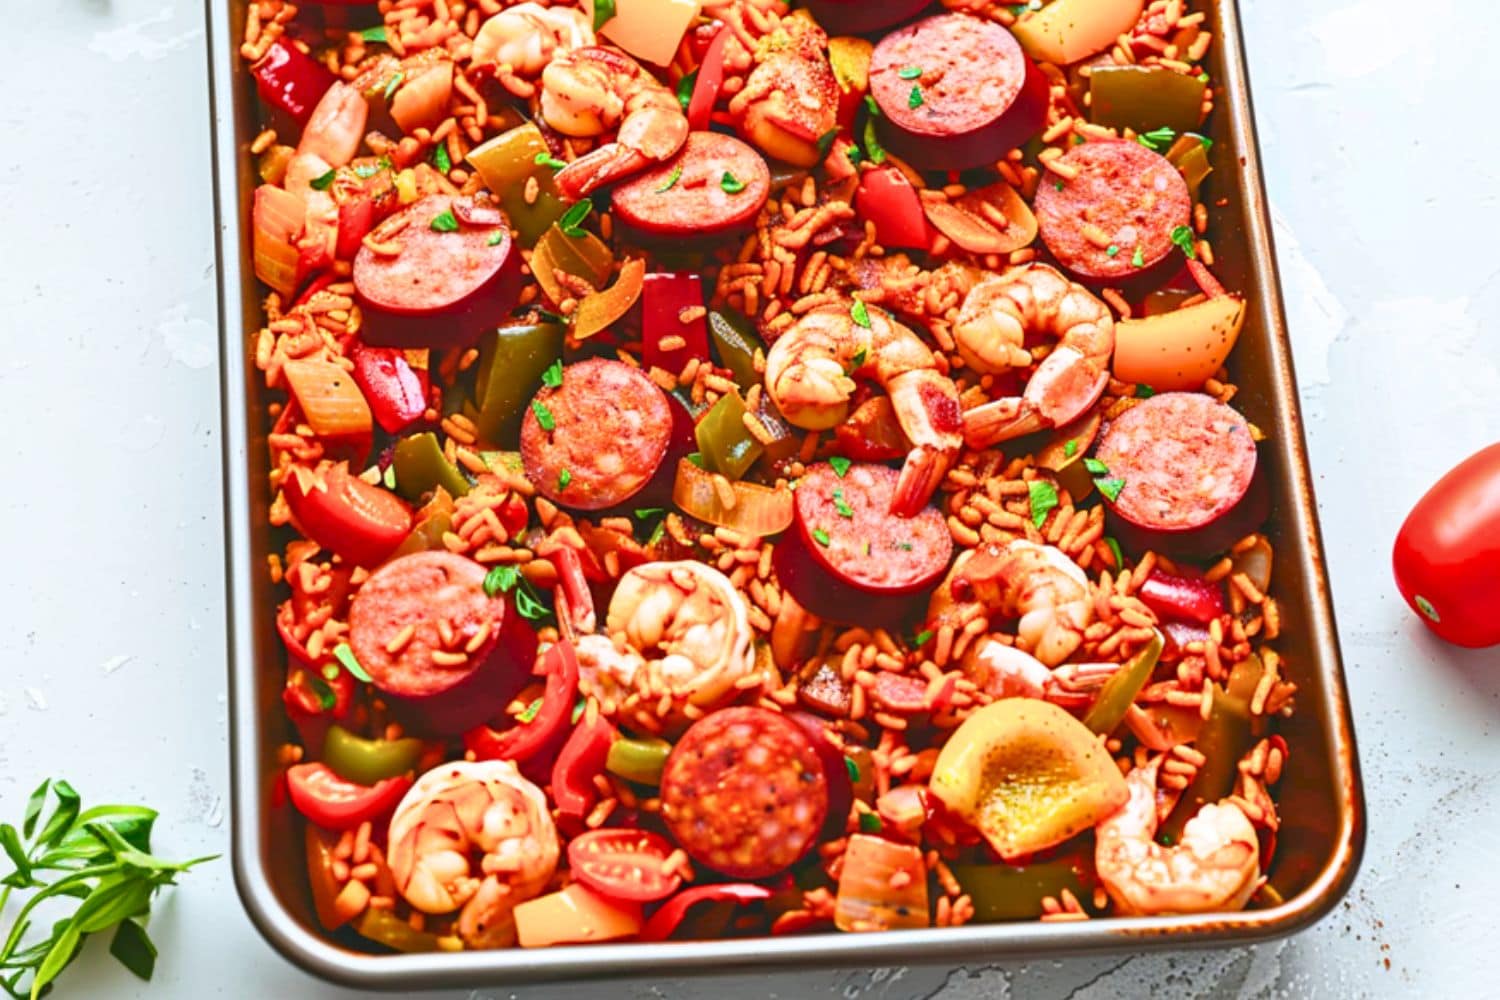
{"x": 1322, "y": 803}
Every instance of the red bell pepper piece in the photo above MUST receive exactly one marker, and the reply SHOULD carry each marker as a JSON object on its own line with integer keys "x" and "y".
{"x": 663, "y": 298}
{"x": 709, "y": 82}
{"x": 306, "y": 704}
{"x": 667, "y": 919}
{"x": 886, "y": 198}
{"x": 396, "y": 392}
{"x": 580, "y": 759}
{"x": 331, "y": 802}
{"x": 1184, "y": 598}
{"x": 529, "y": 739}
{"x": 291, "y": 80}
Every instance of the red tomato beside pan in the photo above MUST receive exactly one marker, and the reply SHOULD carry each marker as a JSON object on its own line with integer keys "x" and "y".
{"x": 1447, "y": 554}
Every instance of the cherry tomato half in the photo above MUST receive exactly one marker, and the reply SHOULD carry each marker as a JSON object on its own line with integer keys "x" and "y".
{"x": 336, "y": 804}
{"x": 623, "y": 864}
{"x": 350, "y": 517}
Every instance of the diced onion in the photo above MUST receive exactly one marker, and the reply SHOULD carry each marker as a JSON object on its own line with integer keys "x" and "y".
{"x": 758, "y": 510}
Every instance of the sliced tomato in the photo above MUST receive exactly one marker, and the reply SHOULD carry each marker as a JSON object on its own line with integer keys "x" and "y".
{"x": 346, "y": 515}
{"x": 331, "y": 802}
{"x": 624, "y": 864}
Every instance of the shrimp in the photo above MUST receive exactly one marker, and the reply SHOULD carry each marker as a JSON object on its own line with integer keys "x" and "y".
{"x": 524, "y": 37}
{"x": 791, "y": 96}
{"x": 336, "y": 127}
{"x": 467, "y": 814}
{"x": 1036, "y": 584}
{"x": 1215, "y": 866}
{"x": 679, "y": 628}
{"x": 811, "y": 372}
{"x": 990, "y": 332}
{"x": 591, "y": 90}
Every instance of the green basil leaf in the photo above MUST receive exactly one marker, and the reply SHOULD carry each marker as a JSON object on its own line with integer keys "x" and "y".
{"x": 685, "y": 89}
{"x": 603, "y": 11}
{"x": 572, "y": 221}
{"x": 34, "y": 808}
{"x": 1043, "y": 496}
{"x": 64, "y": 947}
{"x": 10, "y": 841}
{"x": 132, "y": 946}
{"x": 840, "y": 465}
{"x": 62, "y": 820}
{"x": 1095, "y": 466}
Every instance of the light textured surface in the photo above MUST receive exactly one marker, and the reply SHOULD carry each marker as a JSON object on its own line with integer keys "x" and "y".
{"x": 1383, "y": 180}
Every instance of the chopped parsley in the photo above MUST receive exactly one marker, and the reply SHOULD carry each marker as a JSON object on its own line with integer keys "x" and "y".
{"x": 645, "y": 512}
{"x": 904, "y": 546}
{"x": 552, "y": 377}
{"x": 859, "y": 357}
{"x": 395, "y": 81}
{"x": 572, "y": 221}
{"x": 871, "y": 106}
{"x": 578, "y": 707}
{"x": 365, "y": 171}
{"x": 563, "y": 479}
{"x": 1114, "y": 548}
{"x": 860, "y": 313}
{"x": 1157, "y": 138}
{"x": 671, "y": 181}
{"x": 327, "y": 700}
{"x": 322, "y": 183}
{"x": 530, "y": 608}
{"x": 1182, "y": 238}
{"x": 375, "y": 34}
{"x": 1138, "y": 259}
{"x": 440, "y": 158}
{"x": 1144, "y": 391}
{"x": 1043, "y": 496}
{"x": 922, "y": 638}
{"x": 873, "y": 149}
{"x": 852, "y": 768}
{"x": 501, "y": 580}
{"x": 530, "y": 711}
{"x": 389, "y": 476}
{"x": 825, "y": 142}
{"x": 841, "y": 505}
{"x": 444, "y": 222}
{"x": 914, "y": 99}
{"x": 603, "y": 11}
{"x": 869, "y": 823}
{"x": 346, "y": 656}
{"x": 1110, "y": 488}
{"x": 543, "y": 415}
{"x": 840, "y": 465}
{"x": 1071, "y": 448}
{"x": 731, "y": 184}
{"x": 696, "y": 457}
{"x": 1112, "y": 251}
{"x": 1057, "y": 185}
{"x": 685, "y": 89}
{"x": 909, "y": 72}
{"x": 1095, "y": 466}
{"x": 548, "y": 160}
{"x": 821, "y": 537}
{"x": 1206, "y": 142}
{"x": 496, "y": 238}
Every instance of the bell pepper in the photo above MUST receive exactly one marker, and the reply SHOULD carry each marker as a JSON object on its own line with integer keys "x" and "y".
{"x": 289, "y": 79}
{"x": 1027, "y": 775}
{"x": 506, "y": 163}
{"x": 1118, "y": 693}
{"x": 365, "y": 193}
{"x": 575, "y": 915}
{"x": 333, "y": 407}
{"x": 638, "y": 760}
{"x": 871, "y": 433}
{"x": 359, "y": 521}
{"x": 581, "y": 758}
{"x": 726, "y": 445}
{"x": 665, "y": 921}
{"x": 583, "y": 256}
{"x": 850, "y": 59}
{"x": 1189, "y": 154}
{"x": 421, "y": 467}
{"x": 433, "y": 521}
{"x": 882, "y": 886}
{"x": 366, "y": 762}
{"x": 384, "y": 927}
{"x": 396, "y": 392}
{"x": 1144, "y": 98}
{"x": 1185, "y": 598}
{"x": 1225, "y": 737}
{"x": 708, "y": 83}
{"x": 331, "y": 802}
{"x": 1015, "y": 892}
{"x": 886, "y": 198}
{"x": 319, "y": 844}
{"x": 597, "y": 311}
{"x": 735, "y": 343}
{"x": 529, "y": 739}
{"x": 664, "y": 296}
{"x": 511, "y": 362}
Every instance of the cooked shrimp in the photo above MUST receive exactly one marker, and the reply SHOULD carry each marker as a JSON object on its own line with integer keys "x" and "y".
{"x": 337, "y": 126}
{"x": 790, "y": 94}
{"x": 1036, "y": 584}
{"x": 1003, "y": 671}
{"x": 990, "y": 332}
{"x": 686, "y": 632}
{"x": 589, "y": 91}
{"x": 477, "y": 837}
{"x": 1215, "y": 866}
{"x": 524, "y": 37}
{"x": 811, "y": 372}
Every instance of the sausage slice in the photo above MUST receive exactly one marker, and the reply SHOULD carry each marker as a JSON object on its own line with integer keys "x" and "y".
{"x": 715, "y": 184}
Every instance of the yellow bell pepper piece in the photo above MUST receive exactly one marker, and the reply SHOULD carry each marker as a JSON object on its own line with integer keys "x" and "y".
{"x": 573, "y": 916}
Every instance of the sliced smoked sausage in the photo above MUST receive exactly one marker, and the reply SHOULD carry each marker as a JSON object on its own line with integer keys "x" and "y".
{"x": 450, "y": 273}
{"x": 715, "y": 184}
{"x": 860, "y": 17}
{"x": 1114, "y": 220}
{"x": 955, "y": 92}
{"x": 1187, "y": 467}
{"x": 598, "y": 438}
{"x": 744, "y": 792}
{"x": 848, "y": 558}
{"x": 412, "y": 625}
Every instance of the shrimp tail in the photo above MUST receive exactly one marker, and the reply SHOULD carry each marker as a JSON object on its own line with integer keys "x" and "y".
{"x": 920, "y": 477}
{"x": 592, "y": 171}
{"x": 1000, "y": 421}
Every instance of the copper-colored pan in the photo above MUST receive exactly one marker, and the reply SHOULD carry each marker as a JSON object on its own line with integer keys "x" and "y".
{"x": 1322, "y": 804}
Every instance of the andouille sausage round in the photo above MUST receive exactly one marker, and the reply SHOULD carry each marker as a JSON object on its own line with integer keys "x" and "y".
{"x": 955, "y": 92}
{"x": 1114, "y": 220}
{"x": 860, "y": 17}
{"x": 744, "y": 792}
{"x": 456, "y": 275}
{"x": 1188, "y": 470}
{"x": 715, "y": 184}
{"x": 439, "y": 647}
{"x": 598, "y": 438}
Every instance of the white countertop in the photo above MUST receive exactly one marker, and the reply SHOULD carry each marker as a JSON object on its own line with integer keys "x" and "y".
{"x": 1381, "y": 170}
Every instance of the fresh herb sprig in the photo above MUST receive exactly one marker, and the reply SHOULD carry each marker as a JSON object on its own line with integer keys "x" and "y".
{"x": 100, "y": 857}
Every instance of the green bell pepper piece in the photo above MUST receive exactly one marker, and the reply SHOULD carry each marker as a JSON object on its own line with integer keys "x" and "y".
{"x": 433, "y": 522}
{"x": 1119, "y": 692}
{"x": 1015, "y": 892}
{"x": 584, "y": 256}
{"x": 1227, "y": 735}
{"x": 421, "y": 466}
{"x": 1189, "y": 154}
{"x": 365, "y": 762}
{"x": 511, "y": 362}
{"x": 1144, "y": 98}
{"x": 640, "y": 761}
{"x": 726, "y": 446}
{"x": 735, "y": 343}
{"x": 384, "y": 927}
{"x": 506, "y": 162}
